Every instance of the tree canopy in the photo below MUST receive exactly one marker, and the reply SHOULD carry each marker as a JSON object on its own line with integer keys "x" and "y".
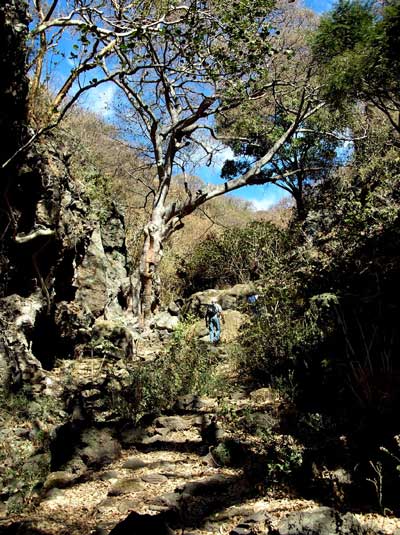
{"x": 357, "y": 46}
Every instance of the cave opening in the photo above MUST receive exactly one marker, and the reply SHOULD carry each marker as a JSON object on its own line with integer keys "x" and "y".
{"x": 63, "y": 286}
{"x": 31, "y": 265}
{"x": 47, "y": 343}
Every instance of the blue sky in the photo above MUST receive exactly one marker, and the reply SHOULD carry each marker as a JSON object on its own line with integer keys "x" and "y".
{"x": 319, "y": 6}
{"x": 261, "y": 197}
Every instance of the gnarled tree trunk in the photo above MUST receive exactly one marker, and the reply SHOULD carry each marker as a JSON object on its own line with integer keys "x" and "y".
{"x": 154, "y": 236}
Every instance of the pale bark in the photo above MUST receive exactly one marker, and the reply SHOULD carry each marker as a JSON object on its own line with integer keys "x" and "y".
{"x": 149, "y": 263}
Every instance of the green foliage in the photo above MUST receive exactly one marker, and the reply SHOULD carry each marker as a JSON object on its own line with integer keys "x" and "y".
{"x": 357, "y": 49}
{"x": 222, "y": 455}
{"x": 279, "y": 339}
{"x": 301, "y": 162}
{"x": 326, "y": 334}
{"x": 23, "y": 479}
{"x": 228, "y": 453}
{"x": 22, "y": 406}
{"x": 339, "y": 44}
{"x": 185, "y": 367}
{"x": 99, "y": 188}
{"x": 343, "y": 28}
{"x": 279, "y": 456}
{"x": 349, "y": 265}
{"x": 229, "y": 44}
{"x": 254, "y": 127}
{"x": 236, "y": 256}
{"x": 284, "y": 457}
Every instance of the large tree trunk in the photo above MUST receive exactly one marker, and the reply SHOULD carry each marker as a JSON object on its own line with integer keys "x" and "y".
{"x": 154, "y": 234}
{"x": 165, "y": 220}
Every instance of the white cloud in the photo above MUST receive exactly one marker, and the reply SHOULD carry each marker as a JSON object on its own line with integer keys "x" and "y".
{"x": 100, "y": 99}
{"x": 264, "y": 203}
{"x": 200, "y": 155}
{"x": 266, "y": 197}
{"x": 222, "y": 153}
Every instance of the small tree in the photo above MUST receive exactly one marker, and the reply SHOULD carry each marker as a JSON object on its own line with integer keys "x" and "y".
{"x": 302, "y": 161}
{"x": 253, "y": 127}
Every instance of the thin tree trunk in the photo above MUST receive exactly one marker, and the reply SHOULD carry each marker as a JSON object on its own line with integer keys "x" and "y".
{"x": 301, "y": 211}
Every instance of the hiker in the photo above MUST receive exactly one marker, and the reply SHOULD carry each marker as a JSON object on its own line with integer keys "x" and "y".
{"x": 213, "y": 320}
{"x": 252, "y": 301}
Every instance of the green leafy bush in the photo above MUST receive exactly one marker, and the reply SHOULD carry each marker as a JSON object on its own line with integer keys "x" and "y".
{"x": 236, "y": 256}
{"x": 284, "y": 457}
{"x": 282, "y": 334}
{"x": 185, "y": 367}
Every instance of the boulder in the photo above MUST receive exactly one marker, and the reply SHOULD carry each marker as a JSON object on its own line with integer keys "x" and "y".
{"x": 243, "y": 529}
{"x": 228, "y": 298}
{"x": 18, "y": 317}
{"x": 230, "y": 329}
{"x": 125, "y": 486}
{"x": 164, "y": 320}
{"x": 198, "y": 330}
{"x": 72, "y": 322}
{"x": 263, "y": 395}
{"x": 133, "y": 435}
{"x": 154, "y": 479}
{"x": 91, "y": 276}
{"x": 174, "y": 423}
{"x": 193, "y": 403}
{"x": 318, "y": 521}
{"x": 59, "y": 480}
{"x": 228, "y": 302}
{"x": 173, "y": 308}
{"x": 111, "y": 475}
{"x": 100, "y": 448}
{"x": 210, "y": 485}
{"x": 97, "y": 447}
{"x": 112, "y": 337}
{"x": 134, "y": 463}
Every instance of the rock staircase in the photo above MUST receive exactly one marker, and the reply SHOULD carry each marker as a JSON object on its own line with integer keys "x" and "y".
{"x": 171, "y": 475}
{"x": 167, "y": 474}
{"x": 168, "y": 480}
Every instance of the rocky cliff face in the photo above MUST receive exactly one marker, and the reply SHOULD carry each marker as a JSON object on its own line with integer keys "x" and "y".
{"x": 61, "y": 269}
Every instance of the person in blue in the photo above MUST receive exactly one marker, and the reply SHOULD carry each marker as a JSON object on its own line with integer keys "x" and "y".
{"x": 213, "y": 321}
{"x": 252, "y": 301}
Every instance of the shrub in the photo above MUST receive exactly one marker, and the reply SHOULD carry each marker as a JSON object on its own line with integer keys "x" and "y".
{"x": 284, "y": 457}
{"x": 236, "y": 256}
{"x": 185, "y": 367}
{"x": 277, "y": 339}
